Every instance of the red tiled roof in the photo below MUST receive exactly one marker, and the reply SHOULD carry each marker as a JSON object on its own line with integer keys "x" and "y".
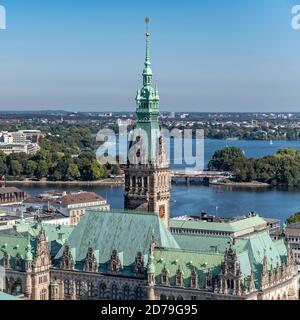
{"x": 72, "y": 198}
{"x": 82, "y": 197}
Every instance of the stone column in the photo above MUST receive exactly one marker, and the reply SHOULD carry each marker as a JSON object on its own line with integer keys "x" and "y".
{"x": 28, "y": 286}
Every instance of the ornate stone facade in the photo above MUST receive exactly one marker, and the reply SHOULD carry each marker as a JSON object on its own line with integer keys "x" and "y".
{"x": 29, "y": 274}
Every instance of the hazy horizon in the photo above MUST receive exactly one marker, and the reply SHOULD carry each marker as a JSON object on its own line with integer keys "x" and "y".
{"x": 209, "y": 55}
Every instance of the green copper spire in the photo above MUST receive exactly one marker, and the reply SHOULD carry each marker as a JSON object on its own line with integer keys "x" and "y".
{"x": 150, "y": 265}
{"x": 147, "y": 100}
{"x": 28, "y": 255}
{"x": 147, "y": 97}
{"x": 147, "y": 73}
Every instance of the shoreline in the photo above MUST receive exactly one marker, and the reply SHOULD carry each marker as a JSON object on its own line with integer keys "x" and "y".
{"x": 242, "y": 184}
{"x": 105, "y": 182}
{"x": 119, "y": 182}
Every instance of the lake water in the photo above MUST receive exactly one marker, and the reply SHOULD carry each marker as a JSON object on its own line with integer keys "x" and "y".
{"x": 206, "y": 149}
{"x": 224, "y": 201}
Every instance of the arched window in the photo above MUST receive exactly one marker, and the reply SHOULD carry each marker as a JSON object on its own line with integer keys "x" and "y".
{"x": 179, "y": 298}
{"x": 163, "y": 297}
{"x": 126, "y": 293}
{"x": 43, "y": 294}
{"x": 90, "y": 289}
{"x": 114, "y": 292}
{"x": 78, "y": 288}
{"x": 67, "y": 287}
{"x": 102, "y": 290}
{"x": 17, "y": 287}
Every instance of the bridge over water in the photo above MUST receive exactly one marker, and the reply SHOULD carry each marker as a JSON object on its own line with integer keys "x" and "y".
{"x": 197, "y": 176}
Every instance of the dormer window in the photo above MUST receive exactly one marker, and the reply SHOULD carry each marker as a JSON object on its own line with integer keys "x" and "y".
{"x": 139, "y": 263}
{"x": 90, "y": 262}
{"x": 18, "y": 262}
{"x": 179, "y": 278}
{"x": 194, "y": 279}
{"x": 67, "y": 259}
{"x": 115, "y": 263}
{"x": 165, "y": 277}
{"x": 6, "y": 260}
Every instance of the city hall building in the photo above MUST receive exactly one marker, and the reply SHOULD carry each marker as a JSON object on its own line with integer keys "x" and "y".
{"x": 140, "y": 253}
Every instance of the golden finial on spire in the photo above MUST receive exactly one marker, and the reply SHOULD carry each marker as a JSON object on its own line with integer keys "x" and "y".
{"x": 147, "y": 20}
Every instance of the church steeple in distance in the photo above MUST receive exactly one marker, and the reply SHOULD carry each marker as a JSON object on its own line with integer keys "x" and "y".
{"x": 147, "y": 183}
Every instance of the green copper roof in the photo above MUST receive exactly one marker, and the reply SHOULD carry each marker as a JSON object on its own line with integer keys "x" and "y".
{"x": 187, "y": 261}
{"x": 53, "y": 232}
{"x": 14, "y": 244}
{"x": 126, "y": 232}
{"x": 250, "y": 254}
{"x": 5, "y": 296}
{"x": 259, "y": 245}
{"x": 202, "y": 243}
{"x": 15, "y": 241}
{"x": 238, "y": 225}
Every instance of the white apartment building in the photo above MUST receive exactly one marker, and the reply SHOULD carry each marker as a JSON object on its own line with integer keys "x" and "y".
{"x": 19, "y": 142}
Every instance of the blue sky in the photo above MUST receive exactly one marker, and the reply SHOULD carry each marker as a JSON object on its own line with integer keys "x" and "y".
{"x": 207, "y": 55}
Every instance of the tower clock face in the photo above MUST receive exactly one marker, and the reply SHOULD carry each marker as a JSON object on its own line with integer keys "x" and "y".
{"x": 162, "y": 211}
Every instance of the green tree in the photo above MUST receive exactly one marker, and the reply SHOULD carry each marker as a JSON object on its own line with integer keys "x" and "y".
{"x": 223, "y": 160}
{"x": 30, "y": 168}
{"x": 293, "y": 218}
{"x": 115, "y": 169}
{"x": 57, "y": 175}
{"x": 73, "y": 172}
{"x": 3, "y": 168}
{"x": 42, "y": 169}
{"x": 16, "y": 168}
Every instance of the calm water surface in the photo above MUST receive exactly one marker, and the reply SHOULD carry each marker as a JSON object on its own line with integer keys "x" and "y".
{"x": 224, "y": 201}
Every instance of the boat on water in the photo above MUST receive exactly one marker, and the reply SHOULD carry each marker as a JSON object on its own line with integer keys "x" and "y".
{"x": 271, "y": 142}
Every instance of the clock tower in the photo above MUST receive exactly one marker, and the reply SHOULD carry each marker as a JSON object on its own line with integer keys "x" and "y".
{"x": 147, "y": 175}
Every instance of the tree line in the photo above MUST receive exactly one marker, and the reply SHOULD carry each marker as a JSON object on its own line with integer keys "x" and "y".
{"x": 67, "y": 153}
{"x": 280, "y": 169}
